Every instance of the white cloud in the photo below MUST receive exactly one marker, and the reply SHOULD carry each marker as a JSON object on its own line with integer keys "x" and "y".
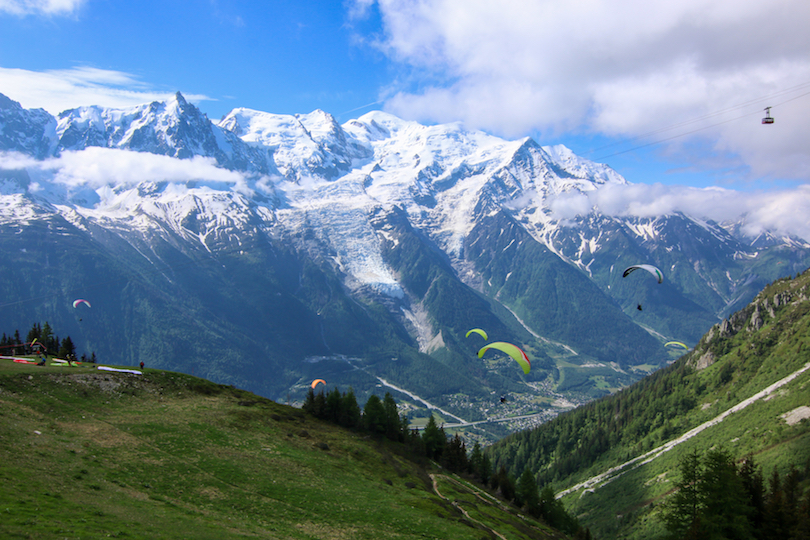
{"x": 621, "y": 68}
{"x": 95, "y": 167}
{"x": 44, "y": 7}
{"x": 59, "y": 90}
{"x": 781, "y": 211}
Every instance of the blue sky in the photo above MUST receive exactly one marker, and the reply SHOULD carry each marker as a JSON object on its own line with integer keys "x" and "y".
{"x": 668, "y": 92}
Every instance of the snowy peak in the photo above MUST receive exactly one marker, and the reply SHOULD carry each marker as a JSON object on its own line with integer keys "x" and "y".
{"x": 582, "y": 168}
{"x": 302, "y": 146}
{"x": 27, "y": 131}
{"x": 174, "y": 128}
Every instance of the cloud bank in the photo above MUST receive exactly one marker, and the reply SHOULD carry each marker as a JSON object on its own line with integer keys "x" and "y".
{"x": 621, "y": 68}
{"x": 97, "y": 169}
{"x": 781, "y": 211}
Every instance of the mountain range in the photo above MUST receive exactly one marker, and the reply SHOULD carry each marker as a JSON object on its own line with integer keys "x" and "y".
{"x": 268, "y": 250}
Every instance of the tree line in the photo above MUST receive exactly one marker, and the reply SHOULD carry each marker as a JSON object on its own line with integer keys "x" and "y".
{"x": 381, "y": 418}
{"x": 718, "y": 499}
{"x": 40, "y": 338}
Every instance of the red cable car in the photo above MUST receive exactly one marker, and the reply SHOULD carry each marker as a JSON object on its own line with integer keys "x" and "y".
{"x": 768, "y": 119}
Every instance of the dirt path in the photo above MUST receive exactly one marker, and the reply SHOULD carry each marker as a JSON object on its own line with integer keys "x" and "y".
{"x": 460, "y": 509}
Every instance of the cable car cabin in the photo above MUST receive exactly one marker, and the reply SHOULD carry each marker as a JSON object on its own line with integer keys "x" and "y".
{"x": 768, "y": 119}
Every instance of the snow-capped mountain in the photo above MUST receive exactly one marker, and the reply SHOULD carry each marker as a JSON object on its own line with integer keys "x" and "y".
{"x": 264, "y": 248}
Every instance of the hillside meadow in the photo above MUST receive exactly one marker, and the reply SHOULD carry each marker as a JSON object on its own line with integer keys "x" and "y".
{"x": 90, "y": 454}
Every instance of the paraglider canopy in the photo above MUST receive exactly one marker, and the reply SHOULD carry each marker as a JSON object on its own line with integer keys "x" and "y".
{"x": 676, "y": 344}
{"x": 81, "y": 301}
{"x": 512, "y": 350}
{"x": 648, "y": 267}
{"x": 477, "y": 331}
{"x": 316, "y": 381}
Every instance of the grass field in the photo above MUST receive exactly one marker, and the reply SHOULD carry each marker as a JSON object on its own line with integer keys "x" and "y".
{"x": 91, "y": 454}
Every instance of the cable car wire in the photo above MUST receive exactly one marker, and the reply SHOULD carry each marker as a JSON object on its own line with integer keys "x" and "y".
{"x": 757, "y": 112}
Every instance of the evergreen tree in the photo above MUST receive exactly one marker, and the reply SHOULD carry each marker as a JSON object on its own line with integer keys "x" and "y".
{"x": 393, "y": 425}
{"x": 682, "y": 512}
{"x": 503, "y": 480}
{"x": 309, "y": 402}
{"x": 803, "y": 519}
{"x": 475, "y": 460}
{"x": 67, "y": 349}
{"x": 434, "y": 438}
{"x": 454, "y": 456}
{"x": 374, "y": 415}
{"x": 331, "y": 411}
{"x": 526, "y": 493}
{"x": 725, "y": 507}
{"x": 754, "y": 485}
{"x": 792, "y": 498}
{"x": 319, "y": 406}
{"x": 349, "y": 411}
{"x": 486, "y": 469}
{"x": 35, "y": 333}
{"x": 775, "y": 510}
{"x": 47, "y": 338}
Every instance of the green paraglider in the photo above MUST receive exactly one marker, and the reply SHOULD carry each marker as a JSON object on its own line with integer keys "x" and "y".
{"x": 477, "y": 331}
{"x": 512, "y": 350}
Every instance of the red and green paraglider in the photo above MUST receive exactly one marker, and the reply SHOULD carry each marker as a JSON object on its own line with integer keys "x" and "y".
{"x": 512, "y": 350}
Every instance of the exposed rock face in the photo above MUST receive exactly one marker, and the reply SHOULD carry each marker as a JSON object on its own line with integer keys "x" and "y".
{"x": 750, "y": 319}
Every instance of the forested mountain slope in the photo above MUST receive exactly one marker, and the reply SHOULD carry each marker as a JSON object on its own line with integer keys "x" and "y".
{"x": 745, "y": 388}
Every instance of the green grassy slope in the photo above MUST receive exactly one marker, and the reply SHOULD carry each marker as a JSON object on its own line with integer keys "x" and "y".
{"x": 737, "y": 360}
{"x": 90, "y": 454}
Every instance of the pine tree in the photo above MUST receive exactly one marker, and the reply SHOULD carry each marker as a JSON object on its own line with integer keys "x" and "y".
{"x": 309, "y": 402}
{"x": 725, "y": 504}
{"x": 505, "y": 482}
{"x": 774, "y": 528}
{"x": 350, "y": 411}
{"x": 434, "y": 438}
{"x": 393, "y": 426}
{"x": 475, "y": 460}
{"x": 331, "y": 411}
{"x": 454, "y": 456}
{"x": 47, "y": 338}
{"x": 751, "y": 476}
{"x": 792, "y": 495}
{"x": 526, "y": 493}
{"x": 67, "y": 349}
{"x": 682, "y": 512}
{"x": 486, "y": 469}
{"x": 374, "y": 415}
